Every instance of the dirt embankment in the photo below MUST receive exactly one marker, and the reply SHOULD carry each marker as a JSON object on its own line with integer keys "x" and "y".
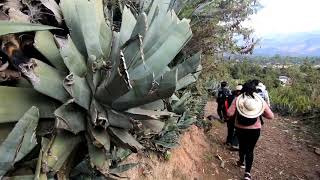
{"x": 283, "y": 152}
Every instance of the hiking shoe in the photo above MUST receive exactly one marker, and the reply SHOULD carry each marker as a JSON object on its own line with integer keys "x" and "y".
{"x": 241, "y": 164}
{"x": 247, "y": 176}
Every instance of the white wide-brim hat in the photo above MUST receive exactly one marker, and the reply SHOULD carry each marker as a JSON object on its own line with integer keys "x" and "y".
{"x": 261, "y": 86}
{"x": 250, "y": 107}
{"x": 238, "y": 87}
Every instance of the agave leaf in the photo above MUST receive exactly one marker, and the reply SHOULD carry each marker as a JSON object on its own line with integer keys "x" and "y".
{"x": 124, "y": 139}
{"x": 105, "y": 38}
{"x": 153, "y": 126}
{"x": 123, "y": 168}
{"x": 72, "y": 58}
{"x": 100, "y": 137}
{"x": 78, "y": 88}
{"x": 142, "y": 114}
{"x": 158, "y": 5}
{"x": 70, "y": 117}
{"x": 191, "y": 65}
{"x": 98, "y": 158}
{"x": 90, "y": 27}
{"x": 109, "y": 90}
{"x": 39, "y": 175}
{"x": 20, "y": 141}
{"x": 44, "y": 43}
{"x": 178, "y": 106}
{"x": 161, "y": 46}
{"x": 141, "y": 26}
{"x": 115, "y": 55}
{"x": 166, "y": 88}
{"x": 58, "y": 150}
{"x": 46, "y": 80}
{"x": 72, "y": 20}
{"x": 9, "y": 27}
{"x": 54, "y": 7}
{"x": 127, "y": 25}
{"x": 12, "y": 107}
{"x": 140, "y": 90}
{"x": 119, "y": 120}
{"x": 97, "y": 114}
{"x": 156, "y": 105}
{"x": 185, "y": 81}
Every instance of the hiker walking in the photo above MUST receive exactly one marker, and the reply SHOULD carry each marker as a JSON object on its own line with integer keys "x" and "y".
{"x": 247, "y": 108}
{"x": 232, "y": 139}
{"x": 222, "y": 97}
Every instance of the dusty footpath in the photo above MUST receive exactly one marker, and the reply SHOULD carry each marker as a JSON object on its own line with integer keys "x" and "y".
{"x": 284, "y": 151}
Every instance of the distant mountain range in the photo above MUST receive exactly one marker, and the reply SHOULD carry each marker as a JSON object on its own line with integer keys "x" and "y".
{"x": 296, "y": 44}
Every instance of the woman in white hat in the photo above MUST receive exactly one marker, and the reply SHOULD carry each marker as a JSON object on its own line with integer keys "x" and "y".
{"x": 247, "y": 108}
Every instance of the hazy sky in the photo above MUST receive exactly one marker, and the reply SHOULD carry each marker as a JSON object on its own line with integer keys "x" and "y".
{"x": 286, "y": 16}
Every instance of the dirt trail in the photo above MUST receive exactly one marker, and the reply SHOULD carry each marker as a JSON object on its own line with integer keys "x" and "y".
{"x": 282, "y": 153}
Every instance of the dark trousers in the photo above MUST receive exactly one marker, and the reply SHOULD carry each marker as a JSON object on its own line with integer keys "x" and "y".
{"x": 232, "y": 138}
{"x": 247, "y": 142}
{"x": 221, "y": 111}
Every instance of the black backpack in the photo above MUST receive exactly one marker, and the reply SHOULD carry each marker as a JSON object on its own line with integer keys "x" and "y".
{"x": 223, "y": 94}
{"x": 245, "y": 121}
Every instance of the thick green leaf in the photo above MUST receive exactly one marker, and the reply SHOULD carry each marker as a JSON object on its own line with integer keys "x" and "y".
{"x": 20, "y": 141}
{"x": 72, "y": 20}
{"x": 58, "y": 150}
{"x": 70, "y": 117}
{"x": 127, "y": 25}
{"x": 9, "y": 27}
{"x": 162, "y": 43}
{"x": 119, "y": 120}
{"x": 116, "y": 86}
{"x": 72, "y": 58}
{"x": 100, "y": 137}
{"x": 125, "y": 139}
{"x": 44, "y": 43}
{"x": 16, "y": 101}
{"x": 166, "y": 88}
{"x": 141, "y": 114}
{"x": 78, "y": 88}
{"x": 187, "y": 80}
{"x": 156, "y": 105}
{"x": 98, "y": 158}
{"x": 191, "y": 65}
{"x": 105, "y": 38}
{"x": 90, "y": 28}
{"x": 39, "y": 175}
{"x": 46, "y": 80}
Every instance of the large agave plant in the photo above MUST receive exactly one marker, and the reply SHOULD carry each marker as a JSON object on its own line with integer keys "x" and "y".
{"x": 105, "y": 90}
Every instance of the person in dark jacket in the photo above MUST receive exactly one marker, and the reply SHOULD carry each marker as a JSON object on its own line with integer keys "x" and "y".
{"x": 232, "y": 139}
{"x": 223, "y": 94}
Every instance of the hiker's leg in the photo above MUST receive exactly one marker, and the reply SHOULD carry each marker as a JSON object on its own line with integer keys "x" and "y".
{"x": 242, "y": 142}
{"x": 219, "y": 110}
{"x": 230, "y": 132}
{"x": 252, "y": 138}
{"x": 234, "y": 141}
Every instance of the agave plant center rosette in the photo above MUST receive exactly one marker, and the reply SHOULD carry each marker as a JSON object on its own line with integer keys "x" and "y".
{"x": 104, "y": 88}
